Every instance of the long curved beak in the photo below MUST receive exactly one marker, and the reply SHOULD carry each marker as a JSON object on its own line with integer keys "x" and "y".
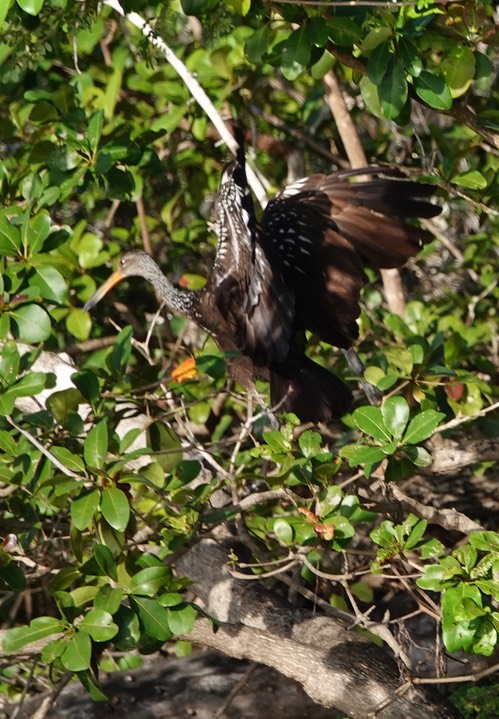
{"x": 103, "y": 290}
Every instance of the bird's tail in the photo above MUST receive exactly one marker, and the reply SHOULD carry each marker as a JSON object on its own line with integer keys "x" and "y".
{"x": 310, "y": 391}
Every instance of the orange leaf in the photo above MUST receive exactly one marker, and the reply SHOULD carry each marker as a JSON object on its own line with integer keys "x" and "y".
{"x": 185, "y": 370}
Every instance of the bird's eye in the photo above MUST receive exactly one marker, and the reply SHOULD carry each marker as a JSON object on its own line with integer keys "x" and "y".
{"x": 122, "y": 262}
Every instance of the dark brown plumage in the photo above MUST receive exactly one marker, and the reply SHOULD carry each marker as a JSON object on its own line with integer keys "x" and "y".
{"x": 300, "y": 268}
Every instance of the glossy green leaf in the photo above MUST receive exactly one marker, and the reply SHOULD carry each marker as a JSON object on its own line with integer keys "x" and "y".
{"x": 95, "y": 445}
{"x": 79, "y": 324}
{"x": 40, "y": 227}
{"x": 310, "y": 443}
{"x": 92, "y": 686}
{"x": 458, "y": 69}
{"x": 30, "y": 323}
{"x": 422, "y": 426}
{"x": 181, "y": 621}
{"x": 153, "y": 617}
{"x": 39, "y": 628}
{"x": 410, "y": 57}
{"x": 395, "y": 413}
{"x": 115, "y": 508}
{"x": 362, "y": 454}
{"x": 433, "y": 90}
{"x": 378, "y": 63}
{"x": 473, "y": 179}
{"x": 343, "y": 31}
{"x": 11, "y": 574}
{"x": 84, "y": 509}
{"x": 94, "y": 131}
{"x": 88, "y": 385}
{"x": 98, "y": 624}
{"x": 149, "y": 581}
{"x": 393, "y": 90}
{"x": 109, "y": 599}
{"x": 370, "y": 420}
{"x": 241, "y": 7}
{"x": 283, "y": 531}
{"x": 10, "y": 237}
{"x": 50, "y": 283}
{"x": 78, "y": 652}
{"x": 63, "y": 404}
{"x": 32, "y": 7}
{"x": 105, "y": 561}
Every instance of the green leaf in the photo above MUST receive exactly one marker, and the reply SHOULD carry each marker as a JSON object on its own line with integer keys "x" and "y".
{"x": 181, "y": 621}
{"x": 257, "y": 45}
{"x": 472, "y": 179}
{"x": 378, "y": 63}
{"x": 422, "y": 426}
{"x": 153, "y": 617}
{"x": 343, "y": 31}
{"x": 84, "y": 509}
{"x": 105, "y": 561}
{"x": 362, "y": 454}
{"x": 121, "y": 351}
{"x": 283, "y": 531}
{"x": 149, "y": 581}
{"x": 39, "y": 628}
{"x": 163, "y": 440}
{"x": 109, "y": 598}
{"x": 95, "y": 445}
{"x": 392, "y": 90}
{"x": 63, "y": 404}
{"x": 78, "y": 653}
{"x": 409, "y": 55}
{"x": 241, "y": 7}
{"x": 418, "y": 456}
{"x": 88, "y": 385}
{"x": 370, "y": 421}
{"x": 458, "y": 69}
{"x": 40, "y": 227}
{"x": 70, "y": 460}
{"x": 99, "y": 625}
{"x": 79, "y": 323}
{"x": 31, "y": 384}
{"x": 94, "y": 131}
{"x": 401, "y": 358}
{"x": 12, "y": 574}
{"x": 297, "y": 48}
{"x": 310, "y": 443}
{"x": 395, "y": 413}
{"x": 50, "y": 283}
{"x": 115, "y": 508}
{"x": 32, "y": 7}
{"x": 92, "y": 686}
{"x": 416, "y": 534}
{"x": 433, "y": 90}
{"x": 31, "y": 323}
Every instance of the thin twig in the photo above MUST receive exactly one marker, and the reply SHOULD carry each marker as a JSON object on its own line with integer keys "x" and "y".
{"x": 461, "y": 419}
{"x": 194, "y": 88}
{"x": 43, "y": 450}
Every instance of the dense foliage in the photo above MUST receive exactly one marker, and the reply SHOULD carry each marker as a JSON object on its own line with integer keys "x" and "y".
{"x": 106, "y": 478}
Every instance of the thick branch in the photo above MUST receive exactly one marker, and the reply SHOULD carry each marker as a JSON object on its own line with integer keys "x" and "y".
{"x": 337, "y": 668}
{"x": 392, "y": 283}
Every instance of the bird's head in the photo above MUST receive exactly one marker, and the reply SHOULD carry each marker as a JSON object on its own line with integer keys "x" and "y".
{"x": 136, "y": 263}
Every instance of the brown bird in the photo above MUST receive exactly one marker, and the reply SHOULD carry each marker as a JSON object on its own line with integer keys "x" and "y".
{"x": 300, "y": 268}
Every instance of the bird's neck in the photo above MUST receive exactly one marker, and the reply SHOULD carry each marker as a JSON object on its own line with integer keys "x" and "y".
{"x": 184, "y": 302}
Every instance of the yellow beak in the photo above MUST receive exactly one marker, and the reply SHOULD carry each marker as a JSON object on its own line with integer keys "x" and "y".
{"x": 103, "y": 290}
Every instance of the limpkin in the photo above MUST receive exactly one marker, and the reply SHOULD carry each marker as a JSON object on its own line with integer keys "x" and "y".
{"x": 300, "y": 268}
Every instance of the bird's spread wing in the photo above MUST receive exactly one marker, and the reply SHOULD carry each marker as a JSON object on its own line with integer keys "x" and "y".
{"x": 323, "y": 228}
{"x": 248, "y": 288}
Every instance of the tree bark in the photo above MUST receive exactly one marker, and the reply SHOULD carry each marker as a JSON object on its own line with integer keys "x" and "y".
{"x": 337, "y": 668}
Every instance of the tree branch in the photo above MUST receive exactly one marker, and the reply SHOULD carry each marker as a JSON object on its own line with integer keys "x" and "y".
{"x": 344, "y": 669}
